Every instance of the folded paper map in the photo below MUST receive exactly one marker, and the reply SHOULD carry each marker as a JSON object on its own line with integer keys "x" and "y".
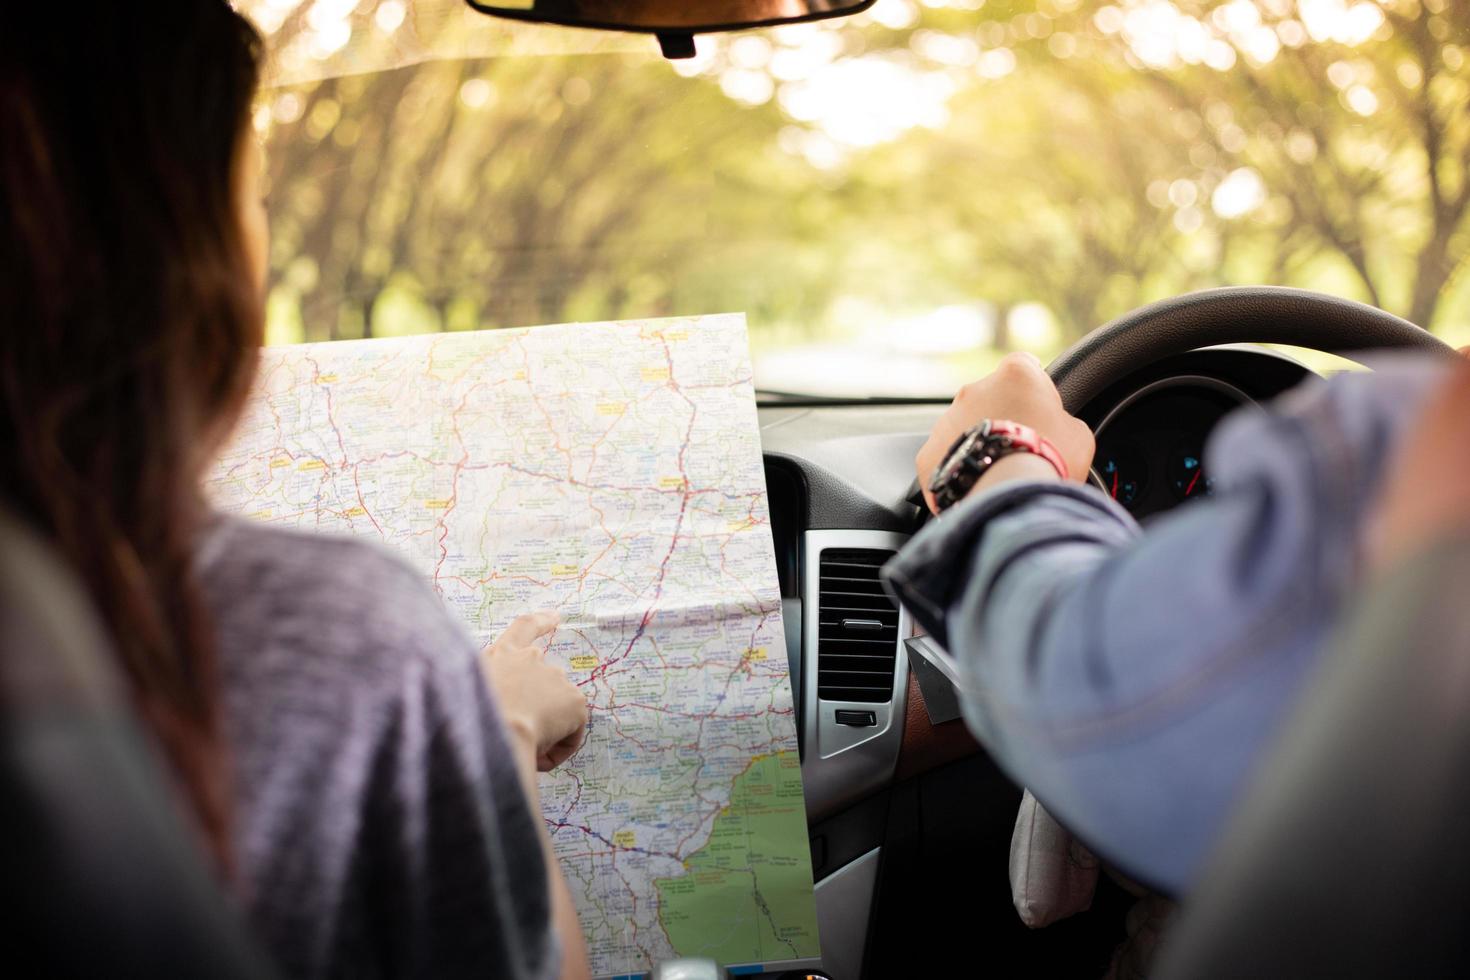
{"x": 611, "y": 471}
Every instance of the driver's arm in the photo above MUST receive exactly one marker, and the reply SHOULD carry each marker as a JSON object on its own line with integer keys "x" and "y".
{"x": 1129, "y": 677}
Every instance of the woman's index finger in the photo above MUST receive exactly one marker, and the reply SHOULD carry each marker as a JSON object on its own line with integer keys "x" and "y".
{"x": 527, "y": 628}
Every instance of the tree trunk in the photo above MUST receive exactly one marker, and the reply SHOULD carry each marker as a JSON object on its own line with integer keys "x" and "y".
{"x": 1434, "y": 271}
{"x": 1000, "y": 337}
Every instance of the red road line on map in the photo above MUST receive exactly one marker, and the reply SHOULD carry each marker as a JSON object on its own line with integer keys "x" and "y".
{"x": 362, "y": 501}
{"x": 753, "y": 496}
{"x": 663, "y": 567}
{"x": 459, "y": 466}
{"x": 316, "y": 379}
{"x": 687, "y": 495}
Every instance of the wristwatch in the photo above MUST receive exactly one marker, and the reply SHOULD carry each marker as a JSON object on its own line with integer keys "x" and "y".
{"x": 978, "y": 449}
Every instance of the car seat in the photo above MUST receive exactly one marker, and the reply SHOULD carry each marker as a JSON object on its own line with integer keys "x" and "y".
{"x": 1349, "y": 856}
{"x": 102, "y": 876}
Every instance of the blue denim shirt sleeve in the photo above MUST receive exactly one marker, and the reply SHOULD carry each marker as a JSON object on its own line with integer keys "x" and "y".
{"x": 1131, "y": 677}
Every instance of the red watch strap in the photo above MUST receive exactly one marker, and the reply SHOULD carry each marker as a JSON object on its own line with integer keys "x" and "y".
{"x": 1028, "y": 439}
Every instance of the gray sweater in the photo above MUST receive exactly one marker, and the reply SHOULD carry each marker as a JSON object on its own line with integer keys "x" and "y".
{"x": 381, "y": 828}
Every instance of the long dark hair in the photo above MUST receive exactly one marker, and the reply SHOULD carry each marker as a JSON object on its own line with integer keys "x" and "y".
{"x": 129, "y": 326}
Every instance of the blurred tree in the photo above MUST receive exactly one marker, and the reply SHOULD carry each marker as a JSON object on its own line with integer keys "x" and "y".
{"x": 1368, "y": 142}
{"x": 1091, "y": 179}
{"x": 1084, "y": 156}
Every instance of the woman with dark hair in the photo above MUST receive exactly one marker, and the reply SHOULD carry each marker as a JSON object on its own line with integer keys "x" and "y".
{"x": 362, "y": 777}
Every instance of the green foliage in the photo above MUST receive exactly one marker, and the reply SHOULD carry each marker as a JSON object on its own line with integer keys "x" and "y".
{"x": 1058, "y": 154}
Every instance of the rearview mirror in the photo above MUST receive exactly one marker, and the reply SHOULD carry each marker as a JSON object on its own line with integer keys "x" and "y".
{"x": 674, "y": 21}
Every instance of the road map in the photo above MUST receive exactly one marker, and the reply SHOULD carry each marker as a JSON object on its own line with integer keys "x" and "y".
{"x": 611, "y": 471}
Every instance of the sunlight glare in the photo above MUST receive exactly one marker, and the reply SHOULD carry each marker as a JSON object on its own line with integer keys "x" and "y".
{"x": 1337, "y": 20}
{"x": 1032, "y": 326}
{"x": 869, "y": 100}
{"x": 947, "y": 330}
{"x": 1360, "y": 99}
{"x": 389, "y": 15}
{"x": 747, "y": 85}
{"x": 896, "y": 15}
{"x": 1241, "y": 192}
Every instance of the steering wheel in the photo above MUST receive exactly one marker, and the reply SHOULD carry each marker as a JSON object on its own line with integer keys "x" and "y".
{"x": 1232, "y": 315}
{"x": 1228, "y": 315}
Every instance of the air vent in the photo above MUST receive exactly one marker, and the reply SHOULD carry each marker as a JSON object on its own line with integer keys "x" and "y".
{"x": 857, "y": 632}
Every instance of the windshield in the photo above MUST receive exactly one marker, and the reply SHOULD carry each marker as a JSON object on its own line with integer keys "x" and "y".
{"x": 894, "y": 199}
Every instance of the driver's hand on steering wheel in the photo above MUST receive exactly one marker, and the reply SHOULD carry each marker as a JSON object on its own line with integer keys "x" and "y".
{"x": 1018, "y": 390}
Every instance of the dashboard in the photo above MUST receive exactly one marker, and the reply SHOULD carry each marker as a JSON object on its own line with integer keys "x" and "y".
{"x": 1151, "y": 435}
{"x": 840, "y": 479}
{"x": 1150, "y": 448}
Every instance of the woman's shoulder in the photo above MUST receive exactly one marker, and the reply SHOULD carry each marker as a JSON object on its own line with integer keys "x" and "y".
{"x": 362, "y": 736}
{"x": 231, "y": 542}
{"x": 322, "y": 596}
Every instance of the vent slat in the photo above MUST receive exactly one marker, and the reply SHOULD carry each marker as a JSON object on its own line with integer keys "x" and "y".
{"x": 857, "y": 627}
{"x": 854, "y": 588}
{"x": 861, "y": 612}
{"x": 862, "y": 584}
{"x": 861, "y": 695}
{"x": 839, "y": 647}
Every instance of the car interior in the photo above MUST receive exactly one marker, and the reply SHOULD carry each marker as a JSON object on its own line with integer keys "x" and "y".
{"x": 899, "y": 806}
{"x": 909, "y": 820}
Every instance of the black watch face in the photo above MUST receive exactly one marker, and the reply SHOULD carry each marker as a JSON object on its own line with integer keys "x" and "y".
{"x": 964, "y": 450}
{"x": 954, "y": 481}
{"x": 942, "y": 480}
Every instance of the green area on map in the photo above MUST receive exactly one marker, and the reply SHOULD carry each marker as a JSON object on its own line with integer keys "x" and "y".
{"x": 746, "y": 896}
